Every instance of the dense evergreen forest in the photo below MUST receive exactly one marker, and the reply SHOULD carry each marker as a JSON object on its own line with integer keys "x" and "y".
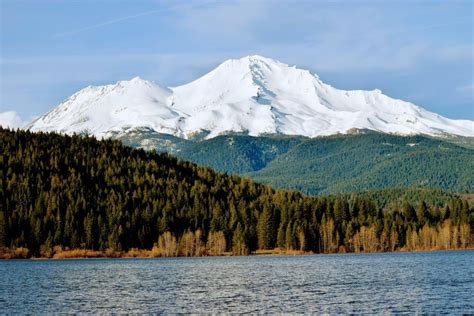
{"x": 371, "y": 161}
{"x": 73, "y": 192}
{"x": 329, "y": 164}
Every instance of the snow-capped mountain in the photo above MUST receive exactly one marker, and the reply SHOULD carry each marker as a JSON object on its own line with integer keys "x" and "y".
{"x": 253, "y": 95}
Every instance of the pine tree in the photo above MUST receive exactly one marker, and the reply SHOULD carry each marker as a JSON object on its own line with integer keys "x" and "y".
{"x": 289, "y": 237}
{"x": 239, "y": 245}
{"x": 281, "y": 238}
{"x": 264, "y": 230}
{"x": 409, "y": 212}
{"x": 423, "y": 216}
{"x": 2, "y": 230}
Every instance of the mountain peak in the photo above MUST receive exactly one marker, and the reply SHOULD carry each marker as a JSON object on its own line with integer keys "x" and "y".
{"x": 248, "y": 63}
{"x": 134, "y": 81}
{"x": 137, "y": 79}
{"x": 255, "y": 59}
{"x": 254, "y": 95}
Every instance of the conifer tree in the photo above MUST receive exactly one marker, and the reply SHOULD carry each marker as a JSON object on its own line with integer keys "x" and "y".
{"x": 264, "y": 230}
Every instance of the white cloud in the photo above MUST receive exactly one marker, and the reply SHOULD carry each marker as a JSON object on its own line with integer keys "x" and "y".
{"x": 11, "y": 119}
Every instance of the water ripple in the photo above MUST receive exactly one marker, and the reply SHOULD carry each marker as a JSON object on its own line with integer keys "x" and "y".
{"x": 431, "y": 282}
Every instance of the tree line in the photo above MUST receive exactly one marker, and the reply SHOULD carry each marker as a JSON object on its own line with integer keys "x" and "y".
{"x": 76, "y": 192}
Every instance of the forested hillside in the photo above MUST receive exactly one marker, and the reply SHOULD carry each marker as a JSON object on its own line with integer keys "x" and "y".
{"x": 395, "y": 198}
{"x": 340, "y": 163}
{"x": 61, "y": 192}
{"x": 239, "y": 154}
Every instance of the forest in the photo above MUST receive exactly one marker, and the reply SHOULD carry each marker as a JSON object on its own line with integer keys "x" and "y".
{"x": 328, "y": 164}
{"x": 76, "y": 193}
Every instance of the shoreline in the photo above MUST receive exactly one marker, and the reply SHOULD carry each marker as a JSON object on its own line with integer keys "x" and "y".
{"x": 145, "y": 254}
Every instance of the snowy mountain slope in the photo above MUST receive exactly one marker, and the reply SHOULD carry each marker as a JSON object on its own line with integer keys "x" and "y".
{"x": 253, "y": 95}
{"x": 113, "y": 108}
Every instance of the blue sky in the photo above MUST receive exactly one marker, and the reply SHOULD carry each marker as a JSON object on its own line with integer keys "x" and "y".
{"x": 419, "y": 51}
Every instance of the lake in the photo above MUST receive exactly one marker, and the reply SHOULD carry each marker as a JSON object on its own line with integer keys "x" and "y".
{"x": 425, "y": 282}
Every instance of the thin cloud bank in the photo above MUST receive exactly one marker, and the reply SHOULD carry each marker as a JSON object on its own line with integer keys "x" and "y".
{"x": 11, "y": 119}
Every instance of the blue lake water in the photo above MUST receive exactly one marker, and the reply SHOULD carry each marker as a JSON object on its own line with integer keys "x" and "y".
{"x": 428, "y": 282}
